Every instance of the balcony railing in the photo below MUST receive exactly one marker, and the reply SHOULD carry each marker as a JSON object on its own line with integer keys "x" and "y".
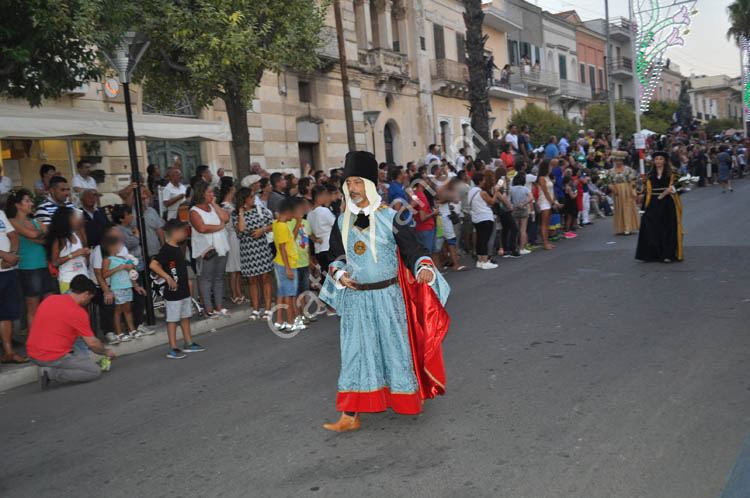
{"x": 448, "y": 70}
{"x": 622, "y": 66}
{"x": 621, "y": 29}
{"x": 381, "y": 60}
{"x": 536, "y": 80}
{"x": 574, "y": 90}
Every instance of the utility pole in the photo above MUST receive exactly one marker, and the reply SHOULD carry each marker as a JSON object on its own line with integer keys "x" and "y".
{"x": 344, "y": 76}
{"x": 610, "y": 83}
{"x": 638, "y": 137}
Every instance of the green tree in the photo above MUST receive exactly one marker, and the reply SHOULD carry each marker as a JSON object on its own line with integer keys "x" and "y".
{"x": 686, "y": 110}
{"x": 46, "y": 47}
{"x": 659, "y": 116}
{"x": 597, "y": 118}
{"x": 541, "y": 123}
{"x": 219, "y": 49}
{"x": 717, "y": 126}
{"x": 479, "y": 96}
{"x": 739, "y": 20}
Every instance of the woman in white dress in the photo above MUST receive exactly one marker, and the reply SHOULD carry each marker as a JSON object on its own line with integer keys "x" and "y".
{"x": 226, "y": 194}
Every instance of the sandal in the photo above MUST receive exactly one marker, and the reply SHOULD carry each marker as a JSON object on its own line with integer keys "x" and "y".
{"x": 462, "y": 268}
{"x": 14, "y": 358}
{"x": 254, "y": 316}
{"x": 268, "y": 316}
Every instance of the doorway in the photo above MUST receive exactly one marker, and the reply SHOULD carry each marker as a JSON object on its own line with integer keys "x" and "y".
{"x": 164, "y": 153}
{"x": 307, "y": 156}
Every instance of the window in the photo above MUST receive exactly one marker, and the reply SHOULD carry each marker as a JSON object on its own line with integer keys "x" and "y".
{"x": 439, "y": 41}
{"x": 422, "y": 43}
{"x": 461, "y": 47}
{"x": 512, "y": 52}
{"x": 525, "y": 48}
{"x": 592, "y": 78}
{"x": 619, "y": 91}
{"x": 563, "y": 67}
{"x": 583, "y": 73}
{"x": 601, "y": 79}
{"x": 538, "y": 55}
{"x": 304, "y": 91}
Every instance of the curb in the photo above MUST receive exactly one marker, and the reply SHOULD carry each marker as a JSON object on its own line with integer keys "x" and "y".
{"x": 11, "y": 378}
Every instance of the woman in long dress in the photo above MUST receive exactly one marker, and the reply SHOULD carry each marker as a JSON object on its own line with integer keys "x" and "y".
{"x": 623, "y": 192}
{"x": 660, "y": 238}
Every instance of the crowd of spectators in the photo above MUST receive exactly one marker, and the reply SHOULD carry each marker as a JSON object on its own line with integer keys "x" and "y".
{"x": 264, "y": 239}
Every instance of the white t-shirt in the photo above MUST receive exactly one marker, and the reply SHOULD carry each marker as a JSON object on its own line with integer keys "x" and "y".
{"x": 430, "y": 158}
{"x": 5, "y": 229}
{"x": 321, "y": 221}
{"x": 480, "y": 211}
{"x": 169, "y": 193}
{"x": 512, "y": 139}
{"x": 5, "y": 185}
{"x": 75, "y": 266}
{"x": 460, "y": 160}
{"x": 84, "y": 183}
{"x": 95, "y": 261}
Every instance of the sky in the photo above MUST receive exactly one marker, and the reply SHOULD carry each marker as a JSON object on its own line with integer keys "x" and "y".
{"x": 706, "y": 50}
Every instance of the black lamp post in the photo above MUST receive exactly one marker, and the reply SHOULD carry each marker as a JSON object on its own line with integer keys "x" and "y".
{"x": 124, "y": 59}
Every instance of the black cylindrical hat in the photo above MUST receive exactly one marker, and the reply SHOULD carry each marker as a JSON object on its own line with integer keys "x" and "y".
{"x": 361, "y": 163}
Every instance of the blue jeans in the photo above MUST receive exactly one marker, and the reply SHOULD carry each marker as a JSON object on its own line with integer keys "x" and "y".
{"x": 427, "y": 239}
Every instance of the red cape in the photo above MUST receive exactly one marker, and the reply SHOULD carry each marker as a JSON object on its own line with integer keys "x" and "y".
{"x": 428, "y": 323}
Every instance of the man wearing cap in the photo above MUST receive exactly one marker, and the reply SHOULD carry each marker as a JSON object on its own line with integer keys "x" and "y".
{"x": 383, "y": 284}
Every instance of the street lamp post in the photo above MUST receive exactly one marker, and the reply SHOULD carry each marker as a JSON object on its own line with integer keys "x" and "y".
{"x": 124, "y": 59}
{"x": 371, "y": 117}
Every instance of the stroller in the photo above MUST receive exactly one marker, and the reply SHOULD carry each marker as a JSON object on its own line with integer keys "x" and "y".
{"x": 157, "y": 296}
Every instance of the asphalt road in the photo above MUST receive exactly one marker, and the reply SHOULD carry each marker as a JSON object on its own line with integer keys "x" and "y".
{"x": 572, "y": 373}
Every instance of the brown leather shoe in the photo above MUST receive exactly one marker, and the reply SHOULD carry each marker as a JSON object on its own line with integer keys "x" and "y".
{"x": 345, "y": 423}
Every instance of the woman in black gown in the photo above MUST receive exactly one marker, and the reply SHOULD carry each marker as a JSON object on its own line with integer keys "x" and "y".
{"x": 660, "y": 237}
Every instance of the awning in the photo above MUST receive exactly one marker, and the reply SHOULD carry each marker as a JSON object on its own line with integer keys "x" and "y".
{"x": 20, "y": 122}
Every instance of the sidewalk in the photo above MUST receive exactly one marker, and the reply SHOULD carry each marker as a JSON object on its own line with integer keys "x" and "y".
{"x": 12, "y": 376}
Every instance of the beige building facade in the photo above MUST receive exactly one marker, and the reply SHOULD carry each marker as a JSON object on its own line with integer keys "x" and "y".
{"x": 406, "y": 61}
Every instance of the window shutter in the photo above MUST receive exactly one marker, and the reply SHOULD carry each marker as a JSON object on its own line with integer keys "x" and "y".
{"x": 461, "y": 47}
{"x": 439, "y": 41}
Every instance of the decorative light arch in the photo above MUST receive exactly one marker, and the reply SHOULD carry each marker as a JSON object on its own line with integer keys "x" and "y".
{"x": 659, "y": 24}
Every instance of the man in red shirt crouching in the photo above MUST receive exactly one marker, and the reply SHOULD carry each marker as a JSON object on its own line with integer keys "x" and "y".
{"x": 58, "y": 322}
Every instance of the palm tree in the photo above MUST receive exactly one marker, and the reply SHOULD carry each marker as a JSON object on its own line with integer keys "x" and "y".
{"x": 739, "y": 29}
{"x": 479, "y": 97}
{"x": 739, "y": 19}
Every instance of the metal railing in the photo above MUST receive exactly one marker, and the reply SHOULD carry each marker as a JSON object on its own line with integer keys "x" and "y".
{"x": 535, "y": 78}
{"x": 621, "y": 24}
{"x": 575, "y": 90}
{"x": 622, "y": 64}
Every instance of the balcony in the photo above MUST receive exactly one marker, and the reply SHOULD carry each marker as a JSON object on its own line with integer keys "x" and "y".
{"x": 621, "y": 29}
{"x": 508, "y": 90}
{"x": 389, "y": 66}
{"x": 450, "y": 78}
{"x": 503, "y": 16}
{"x": 622, "y": 68}
{"x": 574, "y": 91}
{"x": 626, "y": 100}
{"x": 537, "y": 81}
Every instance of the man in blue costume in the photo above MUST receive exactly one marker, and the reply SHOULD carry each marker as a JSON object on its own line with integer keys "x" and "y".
{"x": 392, "y": 324}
